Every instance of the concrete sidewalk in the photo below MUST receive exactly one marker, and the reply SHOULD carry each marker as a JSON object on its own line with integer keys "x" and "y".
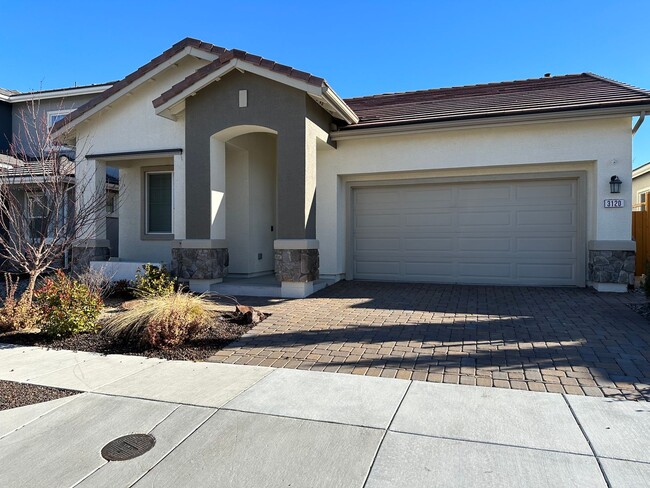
{"x": 242, "y": 426}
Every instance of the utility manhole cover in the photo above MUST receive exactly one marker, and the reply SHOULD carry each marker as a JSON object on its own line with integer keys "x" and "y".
{"x": 128, "y": 447}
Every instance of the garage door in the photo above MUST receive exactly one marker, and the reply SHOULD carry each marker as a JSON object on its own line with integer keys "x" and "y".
{"x": 515, "y": 232}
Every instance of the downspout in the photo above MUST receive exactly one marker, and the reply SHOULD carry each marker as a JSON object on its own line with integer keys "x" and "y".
{"x": 638, "y": 123}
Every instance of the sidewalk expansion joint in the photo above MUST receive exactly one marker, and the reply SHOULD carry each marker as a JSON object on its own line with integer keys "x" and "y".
{"x": 591, "y": 446}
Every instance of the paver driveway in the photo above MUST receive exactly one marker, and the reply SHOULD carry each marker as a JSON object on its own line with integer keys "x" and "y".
{"x": 562, "y": 340}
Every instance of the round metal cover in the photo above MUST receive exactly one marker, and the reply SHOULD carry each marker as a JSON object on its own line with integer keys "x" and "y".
{"x": 128, "y": 447}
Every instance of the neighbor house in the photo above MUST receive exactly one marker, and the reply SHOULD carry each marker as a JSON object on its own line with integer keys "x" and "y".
{"x": 641, "y": 186}
{"x": 238, "y": 166}
{"x": 25, "y": 121}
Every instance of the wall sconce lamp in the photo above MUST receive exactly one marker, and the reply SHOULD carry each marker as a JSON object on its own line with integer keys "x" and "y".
{"x": 615, "y": 184}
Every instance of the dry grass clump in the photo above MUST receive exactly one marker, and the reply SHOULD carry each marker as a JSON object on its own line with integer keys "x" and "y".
{"x": 17, "y": 313}
{"x": 161, "y": 321}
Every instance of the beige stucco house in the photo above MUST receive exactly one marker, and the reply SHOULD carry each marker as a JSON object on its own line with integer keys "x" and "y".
{"x": 236, "y": 167}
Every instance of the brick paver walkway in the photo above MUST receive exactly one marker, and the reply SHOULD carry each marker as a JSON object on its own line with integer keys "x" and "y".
{"x": 560, "y": 340}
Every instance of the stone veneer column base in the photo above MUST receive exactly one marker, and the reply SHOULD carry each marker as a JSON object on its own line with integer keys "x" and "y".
{"x": 85, "y": 251}
{"x": 611, "y": 265}
{"x": 199, "y": 264}
{"x": 297, "y": 266}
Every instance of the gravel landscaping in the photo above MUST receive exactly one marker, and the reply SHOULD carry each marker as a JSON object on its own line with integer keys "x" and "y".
{"x": 201, "y": 347}
{"x": 13, "y": 395}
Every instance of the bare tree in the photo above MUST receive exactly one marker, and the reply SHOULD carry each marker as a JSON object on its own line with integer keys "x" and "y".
{"x": 45, "y": 203}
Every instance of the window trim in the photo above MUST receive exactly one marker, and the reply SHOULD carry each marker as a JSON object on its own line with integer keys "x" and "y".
{"x": 52, "y": 113}
{"x": 145, "y": 235}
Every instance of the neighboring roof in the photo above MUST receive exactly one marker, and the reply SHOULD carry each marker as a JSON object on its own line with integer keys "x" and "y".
{"x": 641, "y": 170}
{"x": 14, "y": 96}
{"x": 34, "y": 169}
{"x": 7, "y": 93}
{"x": 137, "y": 74}
{"x": 539, "y": 95}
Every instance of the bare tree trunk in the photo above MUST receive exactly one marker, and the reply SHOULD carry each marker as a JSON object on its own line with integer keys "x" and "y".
{"x": 31, "y": 286}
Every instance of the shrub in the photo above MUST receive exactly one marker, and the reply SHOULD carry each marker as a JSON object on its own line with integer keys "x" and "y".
{"x": 161, "y": 321}
{"x": 153, "y": 281}
{"x": 122, "y": 289}
{"x": 17, "y": 313}
{"x": 97, "y": 281}
{"x": 68, "y": 306}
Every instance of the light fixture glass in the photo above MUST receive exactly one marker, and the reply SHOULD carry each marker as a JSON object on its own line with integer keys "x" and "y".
{"x": 615, "y": 184}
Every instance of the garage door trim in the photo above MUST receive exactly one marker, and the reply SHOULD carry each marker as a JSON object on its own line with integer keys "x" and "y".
{"x": 581, "y": 209}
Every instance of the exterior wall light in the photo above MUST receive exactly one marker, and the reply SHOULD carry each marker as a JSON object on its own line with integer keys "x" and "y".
{"x": 615, "y": 184}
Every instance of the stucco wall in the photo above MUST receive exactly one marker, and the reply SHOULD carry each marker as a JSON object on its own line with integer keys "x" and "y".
{"x": 131, "y": 245}
{"x": 28, "y": 117}
{"x": 640, "y": 184}
{"x": 131, "y": 123}
{"x": 272, "y": 105}
{"x": 250, "y": 202}
{"x": 589, "y": 145}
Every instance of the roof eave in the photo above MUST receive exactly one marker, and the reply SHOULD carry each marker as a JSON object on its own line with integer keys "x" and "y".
{"x": 493, "y": 119}
{"x": 187, "y": 51}
{"x": 172, "y": 107}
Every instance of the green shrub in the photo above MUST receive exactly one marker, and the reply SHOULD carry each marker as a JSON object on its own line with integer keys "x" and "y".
{"x": 153, "y": 281}
{"x": 68, "y": 306}
{"x": 162, "y": 321}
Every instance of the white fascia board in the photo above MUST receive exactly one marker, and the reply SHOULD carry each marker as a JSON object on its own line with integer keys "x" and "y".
{"x": 5, "y": 98}
{"x": 66, "y": 92}
{"x": 199, "y": 53}
{"x": 508, "y": 120}
{"x": 641, "y": 170}
{"x": 341, "y": 107}
{"x": 151, "y": 74}
{"x": 173, "y": 106}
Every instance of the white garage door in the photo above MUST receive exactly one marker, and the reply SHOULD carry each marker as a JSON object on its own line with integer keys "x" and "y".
{"x": 516, "y": 232}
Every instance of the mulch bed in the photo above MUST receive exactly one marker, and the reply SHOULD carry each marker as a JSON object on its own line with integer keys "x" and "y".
{"x": 200, "y": 348}
{"x": 14, "y": 395}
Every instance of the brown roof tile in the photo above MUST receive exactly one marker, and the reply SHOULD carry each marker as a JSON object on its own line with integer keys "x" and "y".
{"x": 548, "y": 94}
{"x": 226, "y": 57}
{"x": 139, "y": 73}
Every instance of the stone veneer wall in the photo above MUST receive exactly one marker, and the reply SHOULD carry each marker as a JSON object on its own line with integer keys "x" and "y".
{"x": 199, "y": 264}
{"x": 296, "y": 265}
{"x": 611, "y": 267}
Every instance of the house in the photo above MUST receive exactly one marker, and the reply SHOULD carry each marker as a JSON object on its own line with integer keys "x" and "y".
{"x": 237, "y": 166}
{"x": 25, "y": 121}
{"x": 641, "y": 186}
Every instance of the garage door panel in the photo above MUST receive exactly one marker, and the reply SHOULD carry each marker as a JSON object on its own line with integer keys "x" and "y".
{"x": 377, "y": 244}
{"x": 559, "y": 244}
{"x": 546, "y": 217}
{"x": 430, "y": 219}
{"x": 484, "y": 219}
{"x": 518, "y": 232}
{"x": 495, "y": 193}
{"x": 482, "y": 243}
{"x": 439, "y": 271}
{"x": 480, "y": 269}
{"x": 428, "y": 244}
{"x": 546, "y": 193}
{"x": 379, "y": 221}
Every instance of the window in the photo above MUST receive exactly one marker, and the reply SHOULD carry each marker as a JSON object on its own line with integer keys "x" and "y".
{"x": 54, "y": 116}
{"x": 159, "y": 202}
{"x": 42, "y": 221}
{"x": 111, "y": 197}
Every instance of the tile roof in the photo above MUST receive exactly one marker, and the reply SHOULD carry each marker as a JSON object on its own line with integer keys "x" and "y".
{"x": 224, "y": 59}
{"x": 139, "y": 73}
{"x": 548, "y": 94}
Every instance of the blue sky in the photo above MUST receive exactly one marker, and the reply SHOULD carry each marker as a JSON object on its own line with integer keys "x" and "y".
{"x": 360, "y": 47}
